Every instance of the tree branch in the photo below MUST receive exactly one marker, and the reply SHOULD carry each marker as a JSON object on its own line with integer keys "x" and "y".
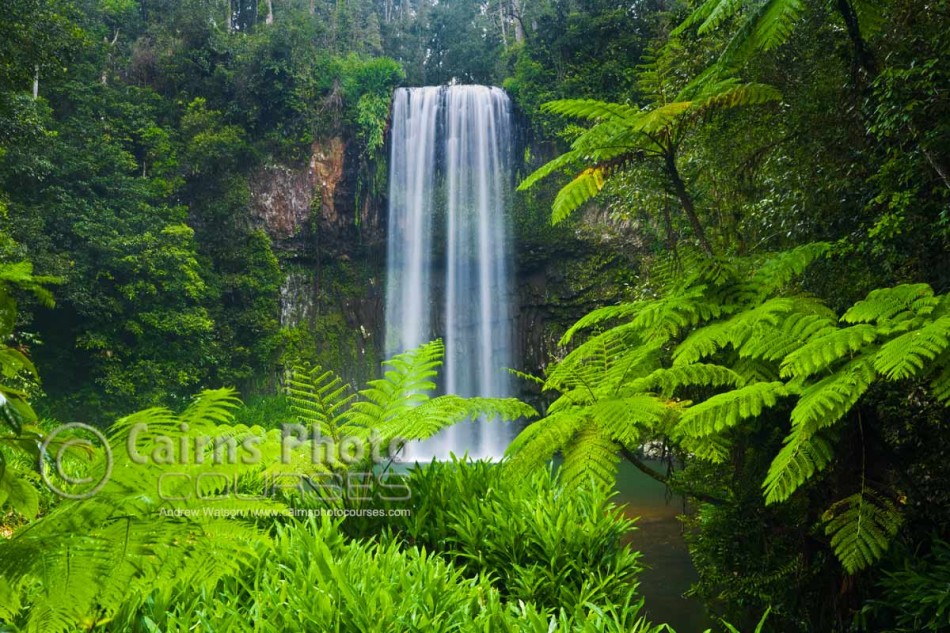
{"x": 631, "y": 457}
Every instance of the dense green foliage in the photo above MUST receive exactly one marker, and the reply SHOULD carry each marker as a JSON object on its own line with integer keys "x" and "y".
{"x": 776, "y": 172}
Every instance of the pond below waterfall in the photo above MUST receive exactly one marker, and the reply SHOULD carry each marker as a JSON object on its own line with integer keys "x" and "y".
{"x": 668, "y": 571}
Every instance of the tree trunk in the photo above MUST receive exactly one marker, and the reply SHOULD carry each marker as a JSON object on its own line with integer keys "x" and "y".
{"x": 36, "y": 82}
{"x": 516, "y": 12}
{"x": 686, "y": 201}
{"x": 270, "y": 12}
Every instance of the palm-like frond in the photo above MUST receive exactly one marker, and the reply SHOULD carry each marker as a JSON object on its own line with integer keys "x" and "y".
{"x": 726, "y": 410}
{"x": 861, "y": 527}
{"x": 802, "y": 456}
{"x": 319, "y": 398}
{"x": 621, "y": 134}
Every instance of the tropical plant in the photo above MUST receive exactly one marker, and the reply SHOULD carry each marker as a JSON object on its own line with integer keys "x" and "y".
{"x": 538, "y": 541}
{"x": 724, "y": 343}
{"x": 19, "y": 445}
{"x": 139, "y": 517}
{"x": 766, "y": 24}
{"x": 311, "y": 577}
{"x": 622, "y": 135}
{"x": 396, "y": 408}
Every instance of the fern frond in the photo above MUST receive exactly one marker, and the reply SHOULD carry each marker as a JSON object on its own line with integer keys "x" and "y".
{"x": 801, "y": 457}
{"x": 692, "y": 375}
{"x": 526, "y": 377}
{"x": 719, "y": 13}
{"x": 907, "y": 355}
{"x": 734, "y": 96}
{"x": 212, "y": 407}
{"x": 431, "y": 416}
{"x": 779, "y": 269}
{"x": 823, "y": 351}
{"x": 775, "y": 343}
{"x": 755, "y": 370}
{"x": 585, "y": 186}
{"x": 590, "y": 457}
{"x": 403, "y": 386}
{"x": 600, "y": 316}
{"x": 621, "y": 419}
{"x": 539, "y": 441}
{"x": 828, "y": 400}
{"x": 736, "y": 331}
{"x": 714, "y": 448}
{"x": 701, "y": 14}
{"x": 726, "y": 410}
{"x": 591, "y": 109}
{"x": 884, "y": 304}
{"x": 861, "y": 528}
{"x": 319, "y": 398}
{"x": 564, "y": 160}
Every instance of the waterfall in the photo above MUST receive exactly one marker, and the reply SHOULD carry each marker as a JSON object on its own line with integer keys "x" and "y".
{"x": 448, "y": 262}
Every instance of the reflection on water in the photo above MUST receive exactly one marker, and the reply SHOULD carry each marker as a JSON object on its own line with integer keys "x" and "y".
{"x": 668, "y": 570}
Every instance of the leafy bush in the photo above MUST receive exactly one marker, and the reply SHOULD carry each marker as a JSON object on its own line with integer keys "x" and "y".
{"x": 312, "y": 579}
{"x": 915, "y": 597}
{"x": 559, "y": 548}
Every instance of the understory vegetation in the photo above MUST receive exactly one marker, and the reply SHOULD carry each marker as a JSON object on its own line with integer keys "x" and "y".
{"x": 186, "y": 442}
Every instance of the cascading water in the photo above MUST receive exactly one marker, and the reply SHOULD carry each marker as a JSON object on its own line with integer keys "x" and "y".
{"x": 449, "y": 247}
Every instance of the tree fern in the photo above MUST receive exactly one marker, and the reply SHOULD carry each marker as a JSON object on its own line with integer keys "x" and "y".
{"x": 398, "y": 406}
{"x": 861, "y": 527}
{"x": 621, "y": 134}
{"x": 720, "y": 342}
{"x": 726, "y": 410}
{"x": 910, "y": 353}
{"x": 802, "y": 455}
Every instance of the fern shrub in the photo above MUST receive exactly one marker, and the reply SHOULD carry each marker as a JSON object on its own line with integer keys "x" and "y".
{"x": 723, "y": 341}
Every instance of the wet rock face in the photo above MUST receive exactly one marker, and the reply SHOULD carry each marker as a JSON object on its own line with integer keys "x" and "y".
{"x": 329, "y": 237}
{"x": 315, "y": 210}
{"x": 281, "y": 198}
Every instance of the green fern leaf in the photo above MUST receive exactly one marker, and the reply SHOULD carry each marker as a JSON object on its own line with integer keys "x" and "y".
{"x": 564, "y": 160}
{"x": 622, "y": 418}
{"x": 885, "y": 304}
{"x": 590, "y": 457}
{"x": 692, "y": 375}
{"x": 861, "y": 527}
{"x": 726, "y": 410}
{"x": 319, "y": 398}
{"x": 828, "y": 400}
{"x": 585, "y": 186}
{"x": 801, "y": 457}
{"x": 539, "y": 441}
{"x": 823, "y": 351}
{"x": 779, "y": 269}
{"x": 591, "y": 110}
{"x": 907, "y": 355}
{"x": 600, "y": 316}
